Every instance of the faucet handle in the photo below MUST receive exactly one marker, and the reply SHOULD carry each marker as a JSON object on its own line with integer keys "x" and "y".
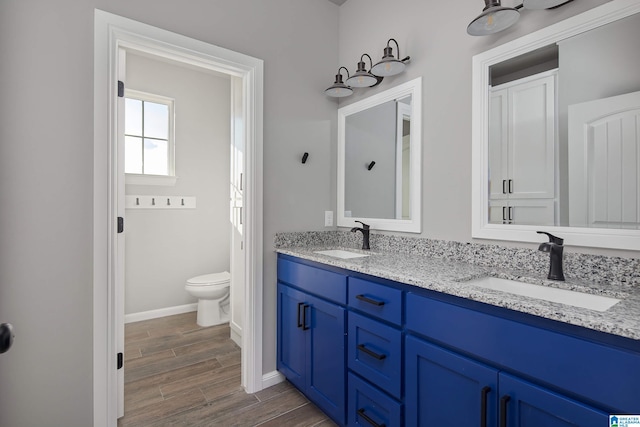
{"x": 553, "y": 239}
{"x": 365, "y": 226}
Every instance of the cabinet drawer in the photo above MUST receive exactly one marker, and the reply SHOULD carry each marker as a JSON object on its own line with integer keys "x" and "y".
{"x": 375, "y": 352}
{"x": 375, "y": 299}
{"x": 572, "y": 364}
{"x": 369, "y": 407}
{"x": 327, "y": 284}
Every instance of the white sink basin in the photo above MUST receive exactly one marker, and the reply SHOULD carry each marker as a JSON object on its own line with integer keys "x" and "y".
{"x": 563, "y": 296}
{"x": 339, "y": 253}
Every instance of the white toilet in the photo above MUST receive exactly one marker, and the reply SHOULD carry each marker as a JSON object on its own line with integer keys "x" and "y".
{"x": 212, "y": 291}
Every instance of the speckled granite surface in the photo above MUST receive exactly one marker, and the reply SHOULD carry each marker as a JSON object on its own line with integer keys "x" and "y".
{"x": 448, "y": 266}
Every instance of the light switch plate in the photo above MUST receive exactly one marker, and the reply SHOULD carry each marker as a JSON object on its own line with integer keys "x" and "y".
{"x": 328, "y": 218}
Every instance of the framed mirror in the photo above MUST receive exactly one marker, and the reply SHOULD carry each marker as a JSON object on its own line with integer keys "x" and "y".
{"x": 379, "y": 160}
{"x": 556, "y": 133}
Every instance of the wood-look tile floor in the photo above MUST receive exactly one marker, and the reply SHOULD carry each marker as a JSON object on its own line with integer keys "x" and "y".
{"x": 180, "y": 374}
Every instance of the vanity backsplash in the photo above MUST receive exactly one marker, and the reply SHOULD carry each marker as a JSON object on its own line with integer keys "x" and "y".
{"x": 597, "y": 268}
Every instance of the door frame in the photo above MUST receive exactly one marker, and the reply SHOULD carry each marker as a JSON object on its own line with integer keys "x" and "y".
{"x": 112, "y": 32}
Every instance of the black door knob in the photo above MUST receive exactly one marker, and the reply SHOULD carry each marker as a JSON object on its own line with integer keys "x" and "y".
{"x": 6, "y": 337}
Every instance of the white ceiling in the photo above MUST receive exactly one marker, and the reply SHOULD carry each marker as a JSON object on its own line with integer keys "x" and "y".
{"x": 338, "y": 2}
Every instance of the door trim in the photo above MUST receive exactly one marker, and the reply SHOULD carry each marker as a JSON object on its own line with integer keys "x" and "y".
{"x": 112, "y": 32}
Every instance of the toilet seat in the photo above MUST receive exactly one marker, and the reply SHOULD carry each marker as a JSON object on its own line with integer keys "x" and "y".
{"x": 210, "y": 279}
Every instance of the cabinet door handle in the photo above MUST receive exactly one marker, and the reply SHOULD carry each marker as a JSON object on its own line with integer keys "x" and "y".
{"x": 300, "y": 324}
{"x": 368, "y": 419}
{"x": 504, "y": 214}
{"x": 304, "y": 317}
{"x": 371, "y": 353}
{"x": 369, "y": 300}
{"x": 510, "y": 186}
{"x": 510, "y": 213}
{"x": 503, "y": 410}
{"x": 483, "y": 405}
{"x": 504, "y": 186}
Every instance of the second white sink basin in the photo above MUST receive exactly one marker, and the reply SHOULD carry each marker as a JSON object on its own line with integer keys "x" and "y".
{"x": 339, "y": 253}
{"x": 563, "y": 296}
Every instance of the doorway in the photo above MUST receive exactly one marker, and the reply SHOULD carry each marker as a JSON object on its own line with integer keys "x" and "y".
{"x": 112, "y": 34}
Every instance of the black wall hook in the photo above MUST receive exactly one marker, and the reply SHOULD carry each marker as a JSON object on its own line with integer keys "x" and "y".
{"x": 305, "y": 156}
{"x": 371, "y": 165}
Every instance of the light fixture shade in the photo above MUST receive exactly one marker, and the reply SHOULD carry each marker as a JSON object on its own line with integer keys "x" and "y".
{"x": 494, "y": 18}
{"x": 362, "y": 78}
{"x": 542, "y": 4}
{"x": 338, "y": 89}
{"x": 389, "y": 65}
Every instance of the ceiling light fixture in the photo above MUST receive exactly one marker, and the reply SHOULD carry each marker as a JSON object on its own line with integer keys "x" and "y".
{"x": 495, "y": 17}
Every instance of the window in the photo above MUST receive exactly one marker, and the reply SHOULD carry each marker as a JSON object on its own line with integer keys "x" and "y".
{"x": 148, "y": 134}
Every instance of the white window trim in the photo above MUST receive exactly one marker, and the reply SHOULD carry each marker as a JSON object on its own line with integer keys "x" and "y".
{"x": 149, "y": 179}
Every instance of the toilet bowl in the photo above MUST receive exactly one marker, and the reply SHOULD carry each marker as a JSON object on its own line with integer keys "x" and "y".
{"x": 212, "y": 291}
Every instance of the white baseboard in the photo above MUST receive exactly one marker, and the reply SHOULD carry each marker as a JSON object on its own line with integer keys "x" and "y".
{"x": 272, "y": 378}
{"x": 236, "y": 333}
{"x": 161, "y": 312}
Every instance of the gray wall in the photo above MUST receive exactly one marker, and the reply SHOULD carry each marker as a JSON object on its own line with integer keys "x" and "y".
{"x": 46, "y": 171}
{"x": 165, "y": 247}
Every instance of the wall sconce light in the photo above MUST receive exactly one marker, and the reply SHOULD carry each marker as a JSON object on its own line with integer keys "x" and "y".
{"x": 339, "y": 89}
{"x": 362, "y": 77}
{"x": 388, "y": 66}
{"x": 495, "y": 17}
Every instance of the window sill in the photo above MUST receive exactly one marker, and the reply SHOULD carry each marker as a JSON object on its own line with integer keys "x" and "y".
{"x": 139, "y": 179}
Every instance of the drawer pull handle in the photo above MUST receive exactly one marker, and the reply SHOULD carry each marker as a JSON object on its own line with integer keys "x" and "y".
{"x": 371, "y": 353}
{"x": 300, "y": 325}
{"x": 483, "y": 405}
{"x": 304, "y": 317}
{"x": 368, "y": 419}
{"x": 370, "y": 301}
{"x": 503, "y": 410}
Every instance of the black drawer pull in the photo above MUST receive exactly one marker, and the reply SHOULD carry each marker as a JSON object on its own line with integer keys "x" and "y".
{"x": 368, "y": 419}
{"x": 371, "y": 353}
{"x": 300, "y": 325}
{"x": 369, "y": 300}
{"x": 503, "y": 410}
{"x": 304, "y": 317}
{"x": 483, "y": 405}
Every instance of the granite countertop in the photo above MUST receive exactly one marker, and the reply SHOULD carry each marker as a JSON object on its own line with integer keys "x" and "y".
{"x": 451, "y": 277}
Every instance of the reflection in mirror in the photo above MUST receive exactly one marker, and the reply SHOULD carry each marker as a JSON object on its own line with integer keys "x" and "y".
{"x": 379, "y": 160}
{"x": 561, "y": 139}
{"x": 378, "y": 134}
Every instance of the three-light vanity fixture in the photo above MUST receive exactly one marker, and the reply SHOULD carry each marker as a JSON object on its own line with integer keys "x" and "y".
{"x": 495, "y": 17}
{"x": 387, "y": 66}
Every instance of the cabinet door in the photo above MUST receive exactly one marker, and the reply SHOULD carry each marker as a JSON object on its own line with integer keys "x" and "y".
{"x": 498, "y": 142}
{"x": 326, "y": 368}
{"x": 444, "y": 388}
{"x": 532, "y": 139}
{"x": 291, "y": 352}
{"x": 532, "y": 406}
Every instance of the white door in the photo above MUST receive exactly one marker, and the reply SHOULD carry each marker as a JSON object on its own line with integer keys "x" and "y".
{"x": 236, "y": 213}
{"x": 604, "y": 157}
{"x": 120, "y": 236}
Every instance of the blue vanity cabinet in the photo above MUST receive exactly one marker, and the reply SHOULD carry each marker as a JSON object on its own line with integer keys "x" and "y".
{"x": 311, "y": 336}
{"x": 442, "y": 381}
{"x": 444, "y": 388}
